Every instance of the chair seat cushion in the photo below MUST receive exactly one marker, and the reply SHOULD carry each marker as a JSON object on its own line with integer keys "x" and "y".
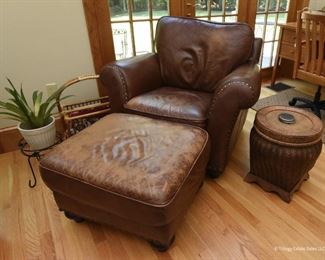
{"x": 174, "y": 104}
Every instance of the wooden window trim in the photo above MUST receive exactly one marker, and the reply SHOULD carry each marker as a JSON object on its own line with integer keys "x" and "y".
{"x": 247, "y": 12}
{"x": 296, "y": 5}
{"x": 100, "y": 36}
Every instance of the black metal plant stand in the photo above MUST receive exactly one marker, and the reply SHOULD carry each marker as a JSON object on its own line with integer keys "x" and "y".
{"x": 29, "y": 153}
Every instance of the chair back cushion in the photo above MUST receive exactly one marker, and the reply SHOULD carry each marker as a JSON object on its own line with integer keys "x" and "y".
{"x": 196, "y": 54}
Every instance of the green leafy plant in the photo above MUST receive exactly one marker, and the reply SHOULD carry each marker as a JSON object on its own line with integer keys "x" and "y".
{"x": 31, "y": 117}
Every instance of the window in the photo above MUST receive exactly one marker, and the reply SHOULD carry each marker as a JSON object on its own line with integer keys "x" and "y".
{"x": 133, "y": 25}
{"x": 269, "y": 14}
{"x": 217, "y": 10}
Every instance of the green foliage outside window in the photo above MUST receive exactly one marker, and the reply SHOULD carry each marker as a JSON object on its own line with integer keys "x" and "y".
{"x": 121, "y": 6}
{"x": 272, "y": 5}
{"x": 216, "y": 4}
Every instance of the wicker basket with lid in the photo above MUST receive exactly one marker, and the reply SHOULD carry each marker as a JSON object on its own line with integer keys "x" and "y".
{"x": 285, "y": 143}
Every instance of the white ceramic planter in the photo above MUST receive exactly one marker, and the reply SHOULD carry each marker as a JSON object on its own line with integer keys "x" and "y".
{"x": 39, "y": 138}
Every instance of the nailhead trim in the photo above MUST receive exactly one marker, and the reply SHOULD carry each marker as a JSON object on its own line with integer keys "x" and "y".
{"x": 234, "y": 119}
{"x": 124, "y": 86}
{"x": 214, "y": 100}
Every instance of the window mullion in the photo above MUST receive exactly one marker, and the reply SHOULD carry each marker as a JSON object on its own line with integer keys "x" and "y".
{"x": 274, "y": 33}
{"x": 150, "y": 6}
{"x": 223, "y": 10}
{"x": 130, "y": 4}
{"x": 209, "y": 10}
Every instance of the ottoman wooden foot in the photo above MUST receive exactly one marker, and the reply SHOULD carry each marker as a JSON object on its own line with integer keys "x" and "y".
{"x": 73, "y": 216}
{"x": 212, "y": 173}
{"x": 161, "y": 247}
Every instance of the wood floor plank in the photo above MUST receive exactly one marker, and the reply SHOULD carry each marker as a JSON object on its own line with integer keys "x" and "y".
{"x": 187, "y": 238}
{"x": 229, "y": 218}
{"x": 114, "y": 239}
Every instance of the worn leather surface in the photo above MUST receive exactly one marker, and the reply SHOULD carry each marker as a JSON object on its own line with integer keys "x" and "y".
{"x": 127, "y": 78}
{"x": 196, "y": 54}
{"x": 135, "y": 220}
{"x": 137, "y": 157}
{"x": 256, "y": 51}
{"x": 118, "y": 172}
{"x": 238, "y": 91}
{"x": 230, "y": 72}
{"x": 166, "y": 102}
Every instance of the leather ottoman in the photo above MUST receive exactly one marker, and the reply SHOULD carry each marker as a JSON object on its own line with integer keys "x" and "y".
{"x": 131, "y": 172}
{"x": 285, "y": 143}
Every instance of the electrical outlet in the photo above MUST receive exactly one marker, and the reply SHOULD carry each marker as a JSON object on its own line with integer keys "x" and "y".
{"x": 51, "y": 88}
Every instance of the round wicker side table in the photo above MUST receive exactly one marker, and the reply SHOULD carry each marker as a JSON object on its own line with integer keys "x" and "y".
{"x": 285, "y": 143}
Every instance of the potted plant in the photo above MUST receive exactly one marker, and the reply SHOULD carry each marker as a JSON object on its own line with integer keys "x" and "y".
{"x": 37, "y": 125}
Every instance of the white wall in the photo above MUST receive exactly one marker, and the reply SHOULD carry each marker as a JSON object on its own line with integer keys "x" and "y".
{"x": 316, "y": 4}
{"x": 41, "y": 42}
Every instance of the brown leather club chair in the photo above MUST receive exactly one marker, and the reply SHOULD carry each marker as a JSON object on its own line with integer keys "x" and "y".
{"x": 203, "y": 74}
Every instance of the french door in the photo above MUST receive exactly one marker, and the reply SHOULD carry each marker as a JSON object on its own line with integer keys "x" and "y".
{"x": 269, "y": 14}
{"x": 133, "y": 25}
{"x": 217, "y": 10}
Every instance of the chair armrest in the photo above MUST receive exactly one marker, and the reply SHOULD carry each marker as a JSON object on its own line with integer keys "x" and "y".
{"x": 236, "y": 92}
{"x": 256, "y": 51}
{"x": 127, "y": 78}
{"x": 241, "y": 88}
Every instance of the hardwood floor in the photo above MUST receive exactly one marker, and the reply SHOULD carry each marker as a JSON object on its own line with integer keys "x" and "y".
{"x": 229, "y": 219}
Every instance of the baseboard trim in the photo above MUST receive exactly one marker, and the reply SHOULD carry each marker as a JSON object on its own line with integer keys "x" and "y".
{"x": 10, "y": 136}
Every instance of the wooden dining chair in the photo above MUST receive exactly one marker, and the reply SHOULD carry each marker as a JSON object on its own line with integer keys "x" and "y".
{"x": 309, "y": 57}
